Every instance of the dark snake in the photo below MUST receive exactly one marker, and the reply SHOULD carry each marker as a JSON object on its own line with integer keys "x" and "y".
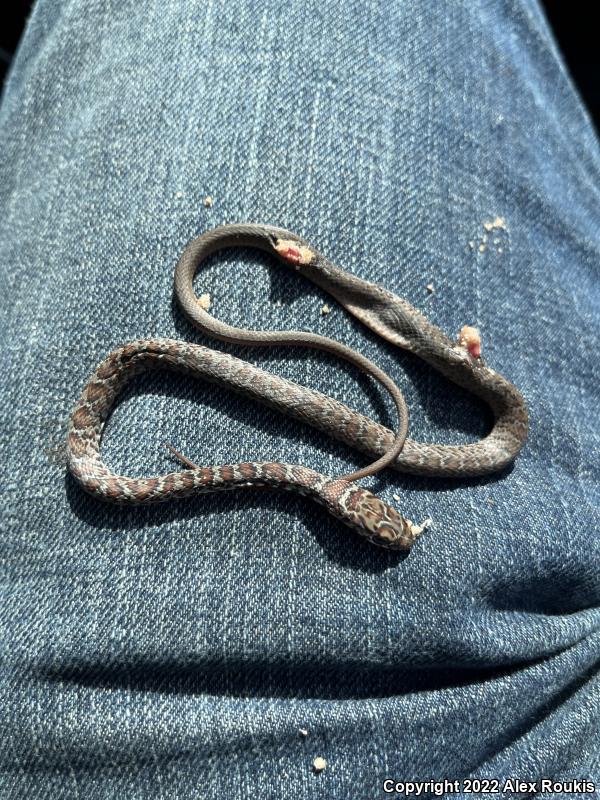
{"x": 393, "y": 318}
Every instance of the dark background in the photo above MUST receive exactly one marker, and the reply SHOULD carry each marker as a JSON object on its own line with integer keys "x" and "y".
{"x": 573, "y": 25}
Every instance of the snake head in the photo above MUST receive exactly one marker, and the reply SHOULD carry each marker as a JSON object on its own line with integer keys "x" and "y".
{"x": 376, "y": 520}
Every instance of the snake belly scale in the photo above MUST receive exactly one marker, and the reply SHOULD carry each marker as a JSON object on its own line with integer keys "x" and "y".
{"x": 391, "y": 317}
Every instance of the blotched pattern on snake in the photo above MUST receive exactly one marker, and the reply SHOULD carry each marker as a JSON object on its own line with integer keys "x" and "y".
{"x": 388, "y": 315}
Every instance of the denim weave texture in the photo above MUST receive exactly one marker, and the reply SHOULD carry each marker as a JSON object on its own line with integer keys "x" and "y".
{"x": 176, "y": 651}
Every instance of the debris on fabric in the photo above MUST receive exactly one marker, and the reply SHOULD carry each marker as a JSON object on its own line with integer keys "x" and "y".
{"x": 302, "y": 731}
{"x": 497, "y": 224}
{"x": 319, "y": 764}
{"x": 430, "y": 288}
{"x": 325, "y": 309}
{"x": 208, "y": 201}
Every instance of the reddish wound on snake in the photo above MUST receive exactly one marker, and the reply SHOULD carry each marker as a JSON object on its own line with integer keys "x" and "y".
{"x": 471, "y": 339}
{"x": 292, "y": 252}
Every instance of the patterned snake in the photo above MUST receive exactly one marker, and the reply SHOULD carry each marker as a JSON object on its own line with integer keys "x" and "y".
{"x": 388, "y": 315}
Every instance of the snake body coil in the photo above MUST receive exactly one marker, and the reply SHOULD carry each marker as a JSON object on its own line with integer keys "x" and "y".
{"x": 388, "y": 315}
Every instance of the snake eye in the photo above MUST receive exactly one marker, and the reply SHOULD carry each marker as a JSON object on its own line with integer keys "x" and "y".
{"x": 390, "y": 536}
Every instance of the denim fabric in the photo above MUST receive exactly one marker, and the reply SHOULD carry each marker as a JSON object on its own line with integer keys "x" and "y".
{"x": 176, "y": 651}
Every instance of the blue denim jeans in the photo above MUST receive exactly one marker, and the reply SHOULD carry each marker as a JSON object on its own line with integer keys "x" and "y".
{"x": 214, "y": 647}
